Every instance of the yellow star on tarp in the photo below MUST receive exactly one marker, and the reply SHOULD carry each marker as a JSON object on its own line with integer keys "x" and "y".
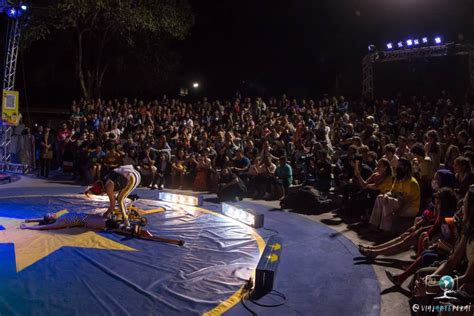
{"x": 34, "y": 245}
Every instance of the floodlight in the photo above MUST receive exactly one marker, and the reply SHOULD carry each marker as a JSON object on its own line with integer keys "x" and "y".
{"x": 389, "y": 46}
{"x": 424, "y": 40}
{"x": 416, "y": 42}
{"x": 180, "y": 199}
{"x": 409, "y": 42}
{"x": 400, "y": 44}
{"x": 12, "y": 13}
{"x": 24, "y": 7}
{"x": 246, "y": 216}
{"x": 438, "y": 40}
{"x": 196, "y": 85}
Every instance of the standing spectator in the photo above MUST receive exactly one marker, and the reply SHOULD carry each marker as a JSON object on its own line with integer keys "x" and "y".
{"x": 163, "y": 170}
{"x": 46, "y": 153}
{"x": 63, "y": 134}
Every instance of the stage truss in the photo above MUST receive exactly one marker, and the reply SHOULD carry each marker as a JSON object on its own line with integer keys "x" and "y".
{"x": 6, "y": 131}
{"x": 371, "y": 59}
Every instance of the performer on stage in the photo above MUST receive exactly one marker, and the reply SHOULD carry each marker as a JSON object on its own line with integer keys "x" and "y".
{"x": 123, "y": 180}
{"x": 66, "y": 220}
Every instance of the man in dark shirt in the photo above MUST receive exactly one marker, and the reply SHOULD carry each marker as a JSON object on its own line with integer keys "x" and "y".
{"x": 241, "y": 164}
{"x": 231, "y": 187}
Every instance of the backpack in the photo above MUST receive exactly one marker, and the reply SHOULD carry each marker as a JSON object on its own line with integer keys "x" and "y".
{"x": 306, "y": 200}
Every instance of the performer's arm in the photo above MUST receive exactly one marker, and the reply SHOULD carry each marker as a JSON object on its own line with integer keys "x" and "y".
{"x": 109, "y": 189}
{"x": 31, "y": 220}
{"x": 55, "y": 225}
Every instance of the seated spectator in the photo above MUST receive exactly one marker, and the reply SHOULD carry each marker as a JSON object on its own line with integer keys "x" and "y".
{"x": 445, "y": 207}
{"x": 452, "y": 153}
{"x": 112, "y": 159}
{"x": 395, "y": 210}
{"x": 203, "y": 166}
{"x": 147, "y": 168}
{"x": 433, "y": 148}
{"x": 179, "y": 170}
{"x": 380, "y": 182}
{"x": 424, "y": 172}
{"x": 389, "y": 153}
{"x": 265, "y": 178}
{"x": 240, "y": 164}
{"x": 464, "y": 175}
{"x": 230, "y": 187}
{"x": 284, "y": 176}
{"x": 402, "y": 149}
{"x": 131, "y": 158}
{"x": 464, "y": 249}
{"x": 96, "y": 157}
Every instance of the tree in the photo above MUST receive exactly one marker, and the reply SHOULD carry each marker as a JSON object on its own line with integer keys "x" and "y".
{"x": 100, "y": 29}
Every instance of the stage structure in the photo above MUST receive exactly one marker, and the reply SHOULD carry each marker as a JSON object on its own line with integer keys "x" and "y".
{"x": 377, "y": 57}
{"x": 10, "y": 97}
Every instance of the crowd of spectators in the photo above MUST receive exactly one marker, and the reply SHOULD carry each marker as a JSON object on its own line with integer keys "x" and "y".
{"x": 401, "y": 165}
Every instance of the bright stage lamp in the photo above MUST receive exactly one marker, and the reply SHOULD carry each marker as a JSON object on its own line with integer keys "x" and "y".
{"x": 180, "y": 199}
{"x": 400, "y": 44}
{"x": 195, "y": 85}
{"x": 24, "y": 7}
{"x": 12, "y": 13}
{"x": 389, "y": 46}
{"x": 371, "y": 48}
{"x": 424, "y": 40}
{"x": 438, "y": 40}
{"x": 409, "y": 42}
{"x": 416, "y": 42}
{"x": 246, "y": 216}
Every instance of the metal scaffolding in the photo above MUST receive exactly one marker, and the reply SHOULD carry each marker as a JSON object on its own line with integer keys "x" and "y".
{"x": 13, "y": 42}
{"x": 6, "y": 131}
{"x": 368, "y": 87}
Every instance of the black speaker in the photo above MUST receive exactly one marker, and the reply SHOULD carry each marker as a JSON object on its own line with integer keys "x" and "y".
{"x": 267, "y": 268}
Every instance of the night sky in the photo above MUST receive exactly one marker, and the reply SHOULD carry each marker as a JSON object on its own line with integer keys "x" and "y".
{"x": 264, "y": 47}
{"x": 301, "y": 46}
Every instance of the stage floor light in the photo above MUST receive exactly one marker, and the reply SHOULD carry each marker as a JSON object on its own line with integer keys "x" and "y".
{"x": 409, "y": 42}
{"x": 180, "y": 198}
{"x": 424, "y": 40}
{"x": 246, "y": 216}
{"x": 438, "y": 40}
{"x": 389, "y": 46}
